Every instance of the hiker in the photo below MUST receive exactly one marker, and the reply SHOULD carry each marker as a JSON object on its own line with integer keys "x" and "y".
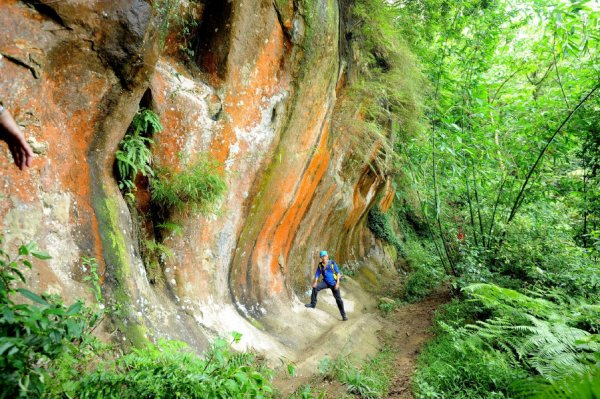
{"x": 331, "y": 279}
{"x": 12, "y": 134}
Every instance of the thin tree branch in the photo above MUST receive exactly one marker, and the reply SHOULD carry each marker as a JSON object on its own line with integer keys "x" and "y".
{"x": 497, "y": 92}
{"x": 519, "y": 199}
{"x": 557, "y": 74}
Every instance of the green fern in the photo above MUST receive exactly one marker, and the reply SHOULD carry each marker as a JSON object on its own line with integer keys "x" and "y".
{"x": 535, "y": 331}
{"x": 576, "y": 385}
{"x": 134, "y": 155}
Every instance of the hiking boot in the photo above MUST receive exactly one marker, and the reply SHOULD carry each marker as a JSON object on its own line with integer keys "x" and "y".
{"x": 309, "y": 305}
{"x": 344, "y": 318}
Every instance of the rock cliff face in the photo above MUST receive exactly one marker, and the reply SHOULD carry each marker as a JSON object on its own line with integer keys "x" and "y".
{"x": 258, "y": 94}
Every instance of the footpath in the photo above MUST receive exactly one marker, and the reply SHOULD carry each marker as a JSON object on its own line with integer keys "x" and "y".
{"x": 405, "y": 331}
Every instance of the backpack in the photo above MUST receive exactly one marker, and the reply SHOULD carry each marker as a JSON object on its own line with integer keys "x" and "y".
{"x": 329, "y": 263}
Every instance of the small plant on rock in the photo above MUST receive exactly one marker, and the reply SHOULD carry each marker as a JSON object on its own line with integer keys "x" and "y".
{"x": 199, "y": 187}
{"x": 134, "y": 155}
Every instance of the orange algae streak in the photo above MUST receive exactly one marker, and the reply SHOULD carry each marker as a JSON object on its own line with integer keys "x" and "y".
{"x": 284, "y": 218}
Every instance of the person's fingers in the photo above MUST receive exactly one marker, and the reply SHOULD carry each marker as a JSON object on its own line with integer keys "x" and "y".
{"x": 20, "y": 158}
{"x": 27, "y": 156}
{"x": 21, "y": 153}
{"x": 24, "y": 160}
{"x": 13, "y": 151}
{"x": 25, "y": 149}
{"x": 16, "y": 156}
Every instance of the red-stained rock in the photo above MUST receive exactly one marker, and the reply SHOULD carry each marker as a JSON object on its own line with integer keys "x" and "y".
{"x": 259, "y": 97}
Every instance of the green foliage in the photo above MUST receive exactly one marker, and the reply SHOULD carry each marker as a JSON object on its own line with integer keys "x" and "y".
{"x": 538, "y": 245}
{"x": 382, "y": 103}
{"x": 390, "y": 83}
{"x": 47, "y": 350}
{"x": 134, "y": 155}
{"x": 386, "y": 307}
{"x": 370, "y": 381}
{"x": 199, "y": 187}
{"x": 90, "y": 265}
{"x": 509, "y": 177}
{"x": 169, "y": 369}
{"x": 34, "y": 330}
{"x": 427, "y": 272}
{"x": 514, "y": 337}
{"x": 181, "y": 18}
{"x": 538, "y": 333}
{"x": 575, "y": 386}
{"x": 381, "y": 226}
{"x": 306, "y": 392}
{"x": 460, "y": 365}
{"x": 171, "y": 227}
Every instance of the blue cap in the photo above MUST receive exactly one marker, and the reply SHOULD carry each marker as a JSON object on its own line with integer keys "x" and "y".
{"x": 323, "y": 253}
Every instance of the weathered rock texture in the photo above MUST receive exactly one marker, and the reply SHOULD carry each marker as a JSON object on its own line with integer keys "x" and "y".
{"x": 259, "y": 96}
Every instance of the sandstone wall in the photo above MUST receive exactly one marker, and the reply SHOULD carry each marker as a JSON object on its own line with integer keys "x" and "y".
{"x": 259, "y": 96}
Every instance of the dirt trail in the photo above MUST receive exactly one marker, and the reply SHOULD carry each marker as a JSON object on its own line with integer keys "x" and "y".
{"x": 404, "y": 330}
{"x": 410, "y": 327}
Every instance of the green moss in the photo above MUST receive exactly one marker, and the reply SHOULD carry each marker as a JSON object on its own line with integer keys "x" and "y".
{"x": 381, "y": 226}
{"x": 136, "y": 334}
{"x": 364, "y": 273}
{"x": 118, "y": 255}
{"x": 115, "y": 255}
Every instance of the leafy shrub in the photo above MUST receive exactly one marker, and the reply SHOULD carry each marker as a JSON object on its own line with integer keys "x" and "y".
{"x": 33, "y": 335}
{"x": 90, "y": 265}
{"x": 370, "y": 381}
{"x": 386, "y": 307}
{"x": 539, "y": 249}
{"x": 458, "y": 312}
{"x": 199, "y": 187}
{"x": 133, "y": 155}
{"x": 170, "y": 369}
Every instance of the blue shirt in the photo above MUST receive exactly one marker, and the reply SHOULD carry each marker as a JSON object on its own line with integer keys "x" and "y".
{"x": 328, "y": 276}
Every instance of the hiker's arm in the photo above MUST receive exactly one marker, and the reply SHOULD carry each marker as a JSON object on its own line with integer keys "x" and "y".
{"x": 11, "y": 133}
{"x": 316, "y": 279}
{"x": 337, "y": 270}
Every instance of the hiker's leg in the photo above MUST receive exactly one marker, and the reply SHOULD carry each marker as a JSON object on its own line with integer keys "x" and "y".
{"x": 338, "y": 300}
{"x": 313, "y": 297}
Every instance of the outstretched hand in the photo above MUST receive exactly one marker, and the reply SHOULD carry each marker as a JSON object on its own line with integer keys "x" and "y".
{"x": 12, "y": 134}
